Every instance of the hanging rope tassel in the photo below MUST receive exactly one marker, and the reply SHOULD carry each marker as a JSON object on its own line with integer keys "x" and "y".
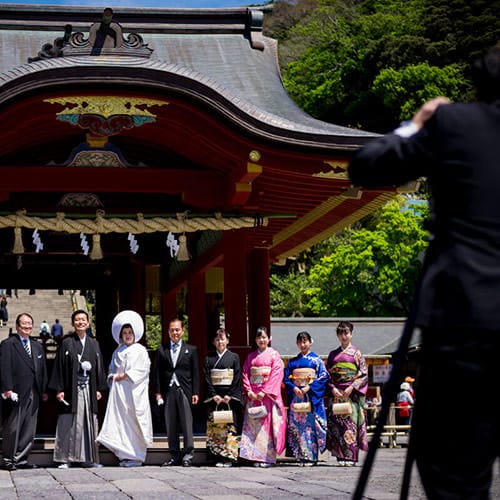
{"x": 18, "y": 241}
{"x": 96, "y": 252}
{"x": 183, "y": 252}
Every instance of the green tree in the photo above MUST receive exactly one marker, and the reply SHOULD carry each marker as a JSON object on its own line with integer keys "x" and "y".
{"x": 460, "y": 30}
{"x": 372, "y": 270}
{"x": 404, "y": 91}
{"x": 153, "y": 331}
{"x": 331, "y": 53}
{"x": 287, "y": 295}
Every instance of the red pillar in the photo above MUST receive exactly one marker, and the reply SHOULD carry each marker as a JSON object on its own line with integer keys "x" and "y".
{"x": 168, "y": 311}
{"x": 259, "y": 307}
{"x": 197, "y": 313}
{"x": 235, "y": 306}
{"x": 136, "y": 299}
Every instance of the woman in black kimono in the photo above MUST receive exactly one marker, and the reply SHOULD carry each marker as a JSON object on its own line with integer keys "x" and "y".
{"x": 222, "y": 372}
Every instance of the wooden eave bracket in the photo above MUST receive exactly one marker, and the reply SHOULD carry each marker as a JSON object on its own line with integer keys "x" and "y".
{"x": 241, "y": 184}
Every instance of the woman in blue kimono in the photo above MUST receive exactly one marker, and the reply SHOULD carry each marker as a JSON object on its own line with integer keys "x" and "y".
{"x": 306, "y": 380}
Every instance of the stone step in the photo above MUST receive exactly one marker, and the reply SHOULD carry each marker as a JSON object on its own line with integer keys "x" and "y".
{"x": 43, "y": 305}
{"x": 43, "y": 448}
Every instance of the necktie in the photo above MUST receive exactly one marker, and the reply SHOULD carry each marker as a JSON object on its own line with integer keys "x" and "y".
{"x": 175, "y": 353}
{"x": 27, "y": 347}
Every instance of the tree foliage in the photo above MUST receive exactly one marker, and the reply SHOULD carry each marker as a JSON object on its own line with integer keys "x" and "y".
{"x": 338, "y": 57}
{"x": 288, "y": 295}
{"x": 369, "y": 270}
{"x": 404, "y": 90}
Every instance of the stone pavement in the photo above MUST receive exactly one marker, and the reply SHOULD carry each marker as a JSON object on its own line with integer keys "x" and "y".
{"x": 287, "y": 481}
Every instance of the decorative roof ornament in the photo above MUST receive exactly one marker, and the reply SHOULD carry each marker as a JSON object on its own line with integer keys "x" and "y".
{"x": 80, "y": 200}
{"x": 105, "y": 115}
{"x": 51, "y": 50}
{"x": 105, "y": 37}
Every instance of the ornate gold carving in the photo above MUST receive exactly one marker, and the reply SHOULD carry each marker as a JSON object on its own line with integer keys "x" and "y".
{"x": 254, "y": 155}
{"x": 106, "y": 106}
{"x": 96, "y": 141}
{"x": 338, "y": 170}
{"x": 79, "y": 200}
{"x": 96, "y": 159}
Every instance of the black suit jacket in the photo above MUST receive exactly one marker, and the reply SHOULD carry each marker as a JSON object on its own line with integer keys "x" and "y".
{"x": 186, "y": 370}
{"x": 458, "y": 150}
{"x": 19, "y": 372}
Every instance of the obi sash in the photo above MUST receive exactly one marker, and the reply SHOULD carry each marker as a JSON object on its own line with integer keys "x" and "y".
{"x": 221, "y": 376}
{"x": 259, "y": 374}
{"x": 303, "y": 376}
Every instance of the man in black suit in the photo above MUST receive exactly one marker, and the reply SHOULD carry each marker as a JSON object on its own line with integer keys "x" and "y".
{"x": 23, "y": 378}
{"x": 177, "y": 384}
{"x": 456, "y": 431}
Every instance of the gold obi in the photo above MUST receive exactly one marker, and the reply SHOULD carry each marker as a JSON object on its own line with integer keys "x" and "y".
{"x": 221, "y": 376}
{"x": 259, "y": 374}
{"x": 303, "y": 376}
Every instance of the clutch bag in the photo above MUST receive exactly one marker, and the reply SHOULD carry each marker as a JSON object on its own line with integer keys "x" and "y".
{"x": 223, "y": 416}
{"x": 303, "y": 407}
{"x": 344, "y": 408}
{"x": 258, "y": 411}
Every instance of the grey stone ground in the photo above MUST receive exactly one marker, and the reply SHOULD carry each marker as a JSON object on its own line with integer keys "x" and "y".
{"x": 287, "y": 480}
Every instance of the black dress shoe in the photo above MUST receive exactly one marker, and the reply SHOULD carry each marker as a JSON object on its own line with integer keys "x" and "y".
{"x": 171, "y": 462}
{"x": 8, "y": 467}
{"x": 27, "y": 466}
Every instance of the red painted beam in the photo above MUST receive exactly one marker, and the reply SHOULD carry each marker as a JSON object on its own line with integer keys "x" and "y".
{"x": 118, "y": 180}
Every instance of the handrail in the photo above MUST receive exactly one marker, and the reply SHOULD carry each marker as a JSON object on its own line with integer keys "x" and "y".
{"x": 74, "y": 304}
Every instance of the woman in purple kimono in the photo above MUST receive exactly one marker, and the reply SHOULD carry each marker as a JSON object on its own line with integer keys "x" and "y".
{"x": 263, "y": 435}
{"x": 306, "y": 379}
{"x": 348, "y": 383}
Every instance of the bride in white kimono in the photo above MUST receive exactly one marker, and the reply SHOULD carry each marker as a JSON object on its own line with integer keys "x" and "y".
{"x": 127, "y": 429}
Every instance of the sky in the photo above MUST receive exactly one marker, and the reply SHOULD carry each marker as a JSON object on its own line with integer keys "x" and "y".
{"x": 181, "y": 4}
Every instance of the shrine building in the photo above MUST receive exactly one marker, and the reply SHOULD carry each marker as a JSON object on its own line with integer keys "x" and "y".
{"x": 159, "y": 161}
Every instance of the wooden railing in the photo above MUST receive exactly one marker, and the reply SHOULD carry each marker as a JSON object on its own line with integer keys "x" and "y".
{"x": 391, "y": 430}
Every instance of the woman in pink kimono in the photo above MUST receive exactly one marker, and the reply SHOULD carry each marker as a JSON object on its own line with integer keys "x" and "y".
{"x": 263, "y": 437}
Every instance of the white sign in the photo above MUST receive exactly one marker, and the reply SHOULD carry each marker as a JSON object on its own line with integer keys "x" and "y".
{"x": 381, "y": 373}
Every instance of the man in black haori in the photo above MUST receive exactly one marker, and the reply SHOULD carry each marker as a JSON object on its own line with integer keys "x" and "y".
{"x": 77, "y": 379}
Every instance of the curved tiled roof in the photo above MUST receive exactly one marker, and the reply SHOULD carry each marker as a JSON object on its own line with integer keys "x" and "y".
{"x": 220, "y": 49}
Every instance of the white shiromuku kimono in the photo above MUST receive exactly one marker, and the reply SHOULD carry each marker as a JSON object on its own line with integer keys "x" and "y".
{"x": 127, "y": 429}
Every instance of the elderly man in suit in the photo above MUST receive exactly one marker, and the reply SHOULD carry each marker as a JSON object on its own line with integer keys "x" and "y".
{"x": 177, "y": 384}
{"x": 457, "y": 147}
{"x": 23, "y": 379}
